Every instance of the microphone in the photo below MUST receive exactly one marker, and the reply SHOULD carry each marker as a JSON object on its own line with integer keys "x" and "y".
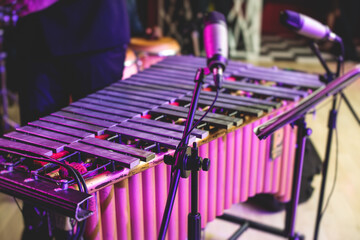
{"x": 307, "y": 26}
{"x": 216, "y": 45}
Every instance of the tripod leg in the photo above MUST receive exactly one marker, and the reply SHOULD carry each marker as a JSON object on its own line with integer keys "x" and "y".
{"x": 331, "y": 126}
{"x": 350, "y": 107}
{"x": 291, "y": 209}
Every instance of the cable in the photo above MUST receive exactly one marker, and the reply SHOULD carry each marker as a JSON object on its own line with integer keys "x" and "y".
{"x": 320, "y": 107}
{"x": 197, "y": 123}
{"x": 18, "y": 205}
{"x": 77, "y": 177}
{"x": 341, "y": 58}
{"x": 336, "y": 167}
{"x": 187, "y": 134}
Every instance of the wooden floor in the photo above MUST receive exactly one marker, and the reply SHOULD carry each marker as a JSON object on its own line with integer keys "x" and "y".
{"x": 341, "y": 220}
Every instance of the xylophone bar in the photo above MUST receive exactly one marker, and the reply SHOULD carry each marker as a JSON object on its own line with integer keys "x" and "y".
{"x": 201, "y": 134}
{"x": 85, "y": 119}
{"x": 162, "y": 82}
{"x": 229, "y": 106}
{"x": 124, "y": 160}
{"x": 141, "y": 154}
{"x": 225, "y": 118}
{"x": 151, "y": 85}
{"x": 176, "y": 115}
{"x": 55, "y": 146}
{"x": 97, "y": 130}
{"x": 23, "y": 147}
{"x": 104, "y": 109}
{"x": 131, "y": 97}
{"x": 166, "y": 142}
{"x": 61, "y": 129}
{"x": 264, "y": 104}
{"x": 150, "y": 129}
{"x": 120, "y": 101}
{"x": 48, "y": 134}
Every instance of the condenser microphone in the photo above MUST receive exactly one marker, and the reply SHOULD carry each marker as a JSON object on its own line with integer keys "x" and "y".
{"x": 307, "y": 26}
{"x": 216, "y": 45}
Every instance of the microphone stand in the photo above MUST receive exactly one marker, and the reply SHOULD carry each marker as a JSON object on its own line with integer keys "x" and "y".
{"x": 184, "y": 160}
{"x": 291, "y": 208}
{"x": 331, "y": 127}
{"x": 296, "y": 115}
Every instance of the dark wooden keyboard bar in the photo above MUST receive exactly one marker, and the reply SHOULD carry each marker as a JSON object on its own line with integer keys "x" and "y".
{"x": 264, "y": 92}
{"x": 134, "y": 82}
{"x": 175, "y": 127}
{"x": 84, "y": 119}
{"x": 122, "y": 101}
{"x": 186, "y": 72}
{"x": 171, "y": 70}
{"x": 167, "y": 78}
{"x": 38, "y": 141}
{"x": 140, "y": 93}
{"x": 61, "y": 129}
{"x": 94, "y": 114}
{"x": 285, "y": 90}
{"x": 103, "y": 109}
{"x": 155, "y": 130}
{"x": 274, "y": 76}
{"x": 122, "y": 159}
{"x": 235, "y": 120}
{"x": 108, "y": 104}
{"x": 150, "y": 89}
{"x": 23, "y": 147}
{"x": 138, "y": 153}
{"x": 163, "y": 82}
{"x": 48, "y": 134}
{"x": 147, "y": 137}
{"x": 222, "y": 99}
{"x": 75, "y": 124}
{"x": 278, "y": 75}
{"x": 210, "y": 121}
{"x": 174, "y": 69}
{"x": 139, "y": 99}
{"x": 240, "y": 109}
{"x": 264, "y": 102}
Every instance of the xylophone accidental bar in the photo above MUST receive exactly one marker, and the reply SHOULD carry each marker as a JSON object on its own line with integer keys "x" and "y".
{"x": 218, "y": 141}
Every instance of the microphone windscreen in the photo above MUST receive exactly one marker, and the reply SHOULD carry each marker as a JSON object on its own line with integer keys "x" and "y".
{"x": 215, "y": 38}
{"x": 214, "y": 17}
{"x": 291, "y": 19}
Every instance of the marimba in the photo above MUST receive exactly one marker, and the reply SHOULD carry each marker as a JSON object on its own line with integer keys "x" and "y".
{"x": 117, "y": 137}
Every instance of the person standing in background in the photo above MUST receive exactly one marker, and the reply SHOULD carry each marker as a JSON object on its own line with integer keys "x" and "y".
{"x": 64, "y": 48}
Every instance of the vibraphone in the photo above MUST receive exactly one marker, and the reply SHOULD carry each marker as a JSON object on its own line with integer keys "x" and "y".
{"x": 117, "y": 137}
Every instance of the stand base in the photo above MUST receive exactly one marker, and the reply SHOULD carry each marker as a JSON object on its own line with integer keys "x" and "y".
{"x": 245, "y": 224}
{"x": 194, "y": 226}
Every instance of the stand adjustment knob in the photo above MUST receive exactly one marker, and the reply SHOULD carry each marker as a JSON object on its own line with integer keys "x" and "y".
{"x": 205, "y": 166}
{"x": 169, "y": 160}
{"x": 308, "y": 131}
